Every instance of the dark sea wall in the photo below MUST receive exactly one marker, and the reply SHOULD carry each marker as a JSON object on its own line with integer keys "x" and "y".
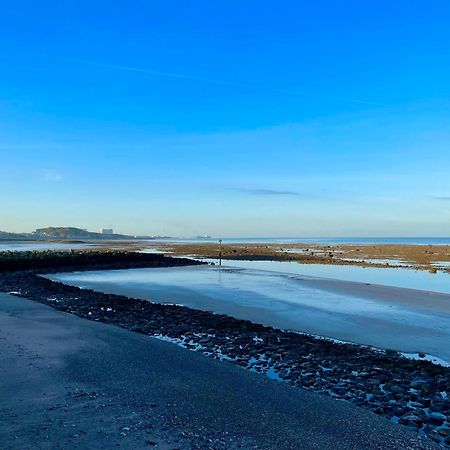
{"x": 62, "y": 261}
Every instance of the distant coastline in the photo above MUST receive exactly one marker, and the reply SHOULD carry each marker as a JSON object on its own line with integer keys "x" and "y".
{"x": 317, "y": 240}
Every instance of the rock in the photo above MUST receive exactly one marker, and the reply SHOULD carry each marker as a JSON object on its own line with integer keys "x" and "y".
{"x": 396, "y": 389}
{"x": 411, "y": 420}
{"x": 435, "y": 419}
{"x": 420, "y": 413}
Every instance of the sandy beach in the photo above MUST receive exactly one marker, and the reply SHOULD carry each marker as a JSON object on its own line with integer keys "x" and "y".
{"x": 72, "y": 383}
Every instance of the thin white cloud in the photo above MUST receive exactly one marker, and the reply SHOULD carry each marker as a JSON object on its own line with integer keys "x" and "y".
{"x": 221, "y": 82}
{"x": 267, "y": 192}
{"x": 152, "y": 72}
{"x": 51, "y": 175}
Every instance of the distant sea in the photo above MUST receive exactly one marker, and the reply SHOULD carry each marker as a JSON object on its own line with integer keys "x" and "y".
{"x": 319, "y": 240}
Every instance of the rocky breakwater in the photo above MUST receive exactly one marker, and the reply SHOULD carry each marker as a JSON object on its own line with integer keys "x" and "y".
{"x": 71, "y": 260}
{"x": 413, "y": 393}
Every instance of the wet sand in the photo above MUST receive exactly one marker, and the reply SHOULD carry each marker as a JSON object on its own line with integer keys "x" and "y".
{"x": 71, "y": 383}
{"x": 421, "y": 257}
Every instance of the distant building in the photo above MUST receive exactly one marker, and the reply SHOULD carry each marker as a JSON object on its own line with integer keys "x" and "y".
{"x": 106, "y": 231}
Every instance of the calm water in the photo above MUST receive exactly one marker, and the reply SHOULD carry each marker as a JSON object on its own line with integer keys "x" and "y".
{"x": 411, "y": 321}
{"x": 398, "y": 277}
{"x": 36, "y": 246}
{"x": 319, "y": 240}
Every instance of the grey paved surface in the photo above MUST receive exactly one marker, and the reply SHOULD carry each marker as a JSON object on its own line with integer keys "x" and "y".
{"x": 70, "y": 383}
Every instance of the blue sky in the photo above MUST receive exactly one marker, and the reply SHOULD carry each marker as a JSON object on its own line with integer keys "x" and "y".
{"x": 231, "y": 118}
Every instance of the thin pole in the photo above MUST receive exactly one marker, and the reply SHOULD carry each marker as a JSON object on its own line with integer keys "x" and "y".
{"x": 220, "y": 252}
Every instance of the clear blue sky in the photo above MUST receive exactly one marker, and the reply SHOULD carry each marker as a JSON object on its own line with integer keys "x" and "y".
{"x": 226, "y": 117}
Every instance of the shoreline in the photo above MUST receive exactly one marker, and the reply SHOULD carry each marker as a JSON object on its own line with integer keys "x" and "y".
{"x": 426, "y": 257}
{"x": 384, "y": 382}
{"x": 429, "y": 258}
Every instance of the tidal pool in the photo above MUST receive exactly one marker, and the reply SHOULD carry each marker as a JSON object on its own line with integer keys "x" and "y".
{"x": 388, "y": 317}
{"x": 398, "y": 277}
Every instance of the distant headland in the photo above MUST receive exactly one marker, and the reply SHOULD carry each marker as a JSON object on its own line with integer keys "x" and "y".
{"x": 63, "y": 233}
